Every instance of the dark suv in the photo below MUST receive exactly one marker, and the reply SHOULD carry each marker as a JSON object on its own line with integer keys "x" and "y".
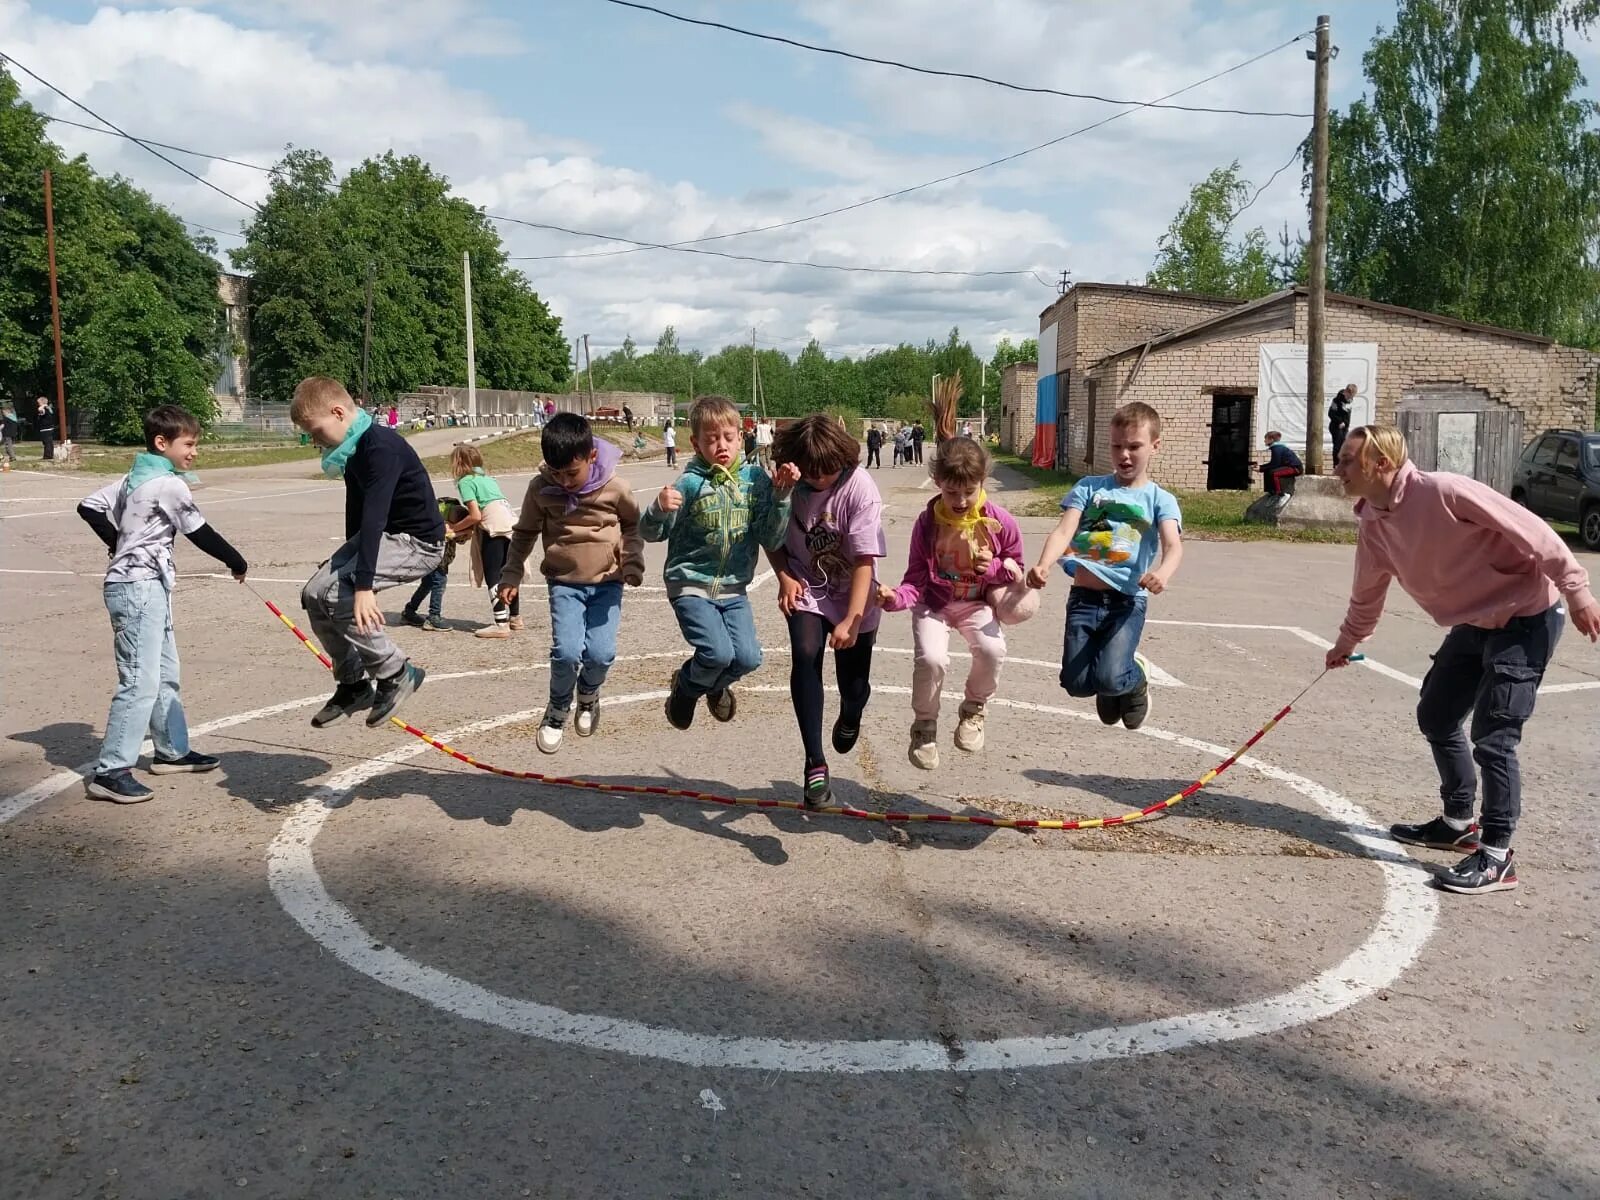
{"x": 1558, "y": 477}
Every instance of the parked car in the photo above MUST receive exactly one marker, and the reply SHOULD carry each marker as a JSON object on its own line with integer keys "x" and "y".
{"x": 1558, "y": 477}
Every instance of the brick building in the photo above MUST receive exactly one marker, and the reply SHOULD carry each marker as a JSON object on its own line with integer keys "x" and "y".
{"x": 1018, "y": 404}
{"x": 1222, "y": 372}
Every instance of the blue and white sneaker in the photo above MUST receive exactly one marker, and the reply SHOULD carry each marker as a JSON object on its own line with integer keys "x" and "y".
{"x": 191, "y": 763}
{"x": 119, "y": 787}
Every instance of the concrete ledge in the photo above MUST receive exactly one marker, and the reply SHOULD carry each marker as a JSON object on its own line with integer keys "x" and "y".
{"x": 1318, "y": 502}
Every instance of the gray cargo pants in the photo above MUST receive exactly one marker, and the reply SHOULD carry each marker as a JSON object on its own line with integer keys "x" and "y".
{"x": 329, "y": 600}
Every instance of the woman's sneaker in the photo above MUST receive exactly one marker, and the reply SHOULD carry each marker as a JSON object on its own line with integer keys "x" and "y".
{"x": 1480, "y": 871}
{"x": 818, "y": 793}
{"x": 190, "y": 763}
{"x": 119, "y": 787}
{"x": 347, "y": 698}
{"x": 924, "y": 751}
{"x": 587, "y": 719}
{"x": 1437, "y": 834}
{"x": 969, "y": 731}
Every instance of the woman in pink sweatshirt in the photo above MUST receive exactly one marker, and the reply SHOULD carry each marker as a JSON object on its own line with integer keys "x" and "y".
{"x": 1502, "y": 580}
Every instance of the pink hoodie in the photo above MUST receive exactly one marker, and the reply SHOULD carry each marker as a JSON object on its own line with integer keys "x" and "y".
{"x": 1461, "y": 550}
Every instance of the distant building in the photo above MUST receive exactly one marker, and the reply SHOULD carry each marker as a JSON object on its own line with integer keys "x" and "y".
{"x": 232, "y": 384}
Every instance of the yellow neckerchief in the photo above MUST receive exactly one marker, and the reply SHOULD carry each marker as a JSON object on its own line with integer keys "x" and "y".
{"x": 970, "y": 525}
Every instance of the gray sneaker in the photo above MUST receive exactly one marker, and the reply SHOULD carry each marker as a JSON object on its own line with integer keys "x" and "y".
{"x": 393, "y": 692}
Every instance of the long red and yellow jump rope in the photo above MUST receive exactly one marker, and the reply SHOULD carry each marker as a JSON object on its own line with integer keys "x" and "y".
{"x": 835, "y": 810}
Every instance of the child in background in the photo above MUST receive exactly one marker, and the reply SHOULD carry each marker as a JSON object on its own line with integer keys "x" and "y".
{"x": 1105, "y": 531}
{"x": 669, "y": 438}
{"x": 433, "y": 584}
{"x": 393, "y": 535}
{"x": 589, "y": 524}
{"x": 825, "y": 591}
{"x": 962, "y": 545}
{"x": 8, "y": 433}
{"x": 138, "y": 517}
{"x": 1282, "y": 464}
{"x": 489, "y": 520}
{"x": 713, "y": 519}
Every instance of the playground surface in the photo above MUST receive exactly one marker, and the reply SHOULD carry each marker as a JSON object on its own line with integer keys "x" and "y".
{"x": 346, "y": 965}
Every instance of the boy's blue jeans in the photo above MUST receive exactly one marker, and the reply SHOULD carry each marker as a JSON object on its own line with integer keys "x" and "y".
{"x": 432, "y": 586}
{"x": 583, "y": 639}
{"x": 146, "y": 699}
{"x": 1103, "y": 631}
{"x": 722, "y": 633}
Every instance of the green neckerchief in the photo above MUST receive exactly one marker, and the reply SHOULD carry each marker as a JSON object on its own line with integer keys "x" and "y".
{"x": 147, "y": 466}
{"x": 718, "y": 474}
{"x": 335, "y": 460}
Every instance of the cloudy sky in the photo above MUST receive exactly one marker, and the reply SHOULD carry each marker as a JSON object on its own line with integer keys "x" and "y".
{"x": 596, "y": 117}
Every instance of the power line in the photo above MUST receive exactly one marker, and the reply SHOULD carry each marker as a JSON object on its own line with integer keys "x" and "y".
{"x": 903, "y": 66}
{"x": 6, "y": 58}
{"x": 164, "y": 145}
{"x": 1273, "y": 178}
{"x": 906, "y": 191}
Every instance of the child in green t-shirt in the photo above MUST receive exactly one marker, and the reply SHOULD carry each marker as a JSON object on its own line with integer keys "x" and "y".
{"x": 489, "y": 514}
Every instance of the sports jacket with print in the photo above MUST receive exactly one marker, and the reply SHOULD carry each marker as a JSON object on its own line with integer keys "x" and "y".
{"x": 714, "y": 536}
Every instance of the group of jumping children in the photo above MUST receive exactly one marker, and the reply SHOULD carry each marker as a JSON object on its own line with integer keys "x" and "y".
{"x": 817, "y": 517}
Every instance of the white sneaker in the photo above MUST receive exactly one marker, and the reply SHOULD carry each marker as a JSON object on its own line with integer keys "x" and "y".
{"x": 492, "y": 631}
{"x": 969, "y": 733}
{"x": 550, "y": 737}
{"x": 588, "y": 716}
{"x": 924, "y": 750}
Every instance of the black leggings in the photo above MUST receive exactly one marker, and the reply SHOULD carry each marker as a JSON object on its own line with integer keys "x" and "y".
{"x": 494, "y": 551}
{"x": 808, "y": 638}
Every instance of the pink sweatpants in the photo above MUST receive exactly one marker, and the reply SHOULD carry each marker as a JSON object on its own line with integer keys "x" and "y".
{"x": 930, "y": 634}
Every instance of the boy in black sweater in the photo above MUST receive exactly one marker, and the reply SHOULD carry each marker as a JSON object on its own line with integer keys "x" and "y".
{"x": 394, "y": 535}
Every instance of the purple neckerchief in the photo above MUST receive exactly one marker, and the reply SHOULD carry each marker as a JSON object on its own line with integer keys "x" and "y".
{"x": 607, "y": 455}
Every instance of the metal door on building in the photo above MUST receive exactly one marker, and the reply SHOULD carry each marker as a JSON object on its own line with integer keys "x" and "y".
{"x": 1228, "y": 458}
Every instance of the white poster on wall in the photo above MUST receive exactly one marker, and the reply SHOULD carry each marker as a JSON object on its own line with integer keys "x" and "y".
{"x": 1282, "y": 388}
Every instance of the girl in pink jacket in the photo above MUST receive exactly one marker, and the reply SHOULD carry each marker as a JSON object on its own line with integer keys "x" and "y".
{"x": 965, "y": 573}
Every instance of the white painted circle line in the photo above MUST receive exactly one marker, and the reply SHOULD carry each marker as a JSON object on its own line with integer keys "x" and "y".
{"x": 1406, "y": 920}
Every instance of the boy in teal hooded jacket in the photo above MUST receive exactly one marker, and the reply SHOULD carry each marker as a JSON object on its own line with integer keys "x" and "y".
{"x": 715, "y": 518}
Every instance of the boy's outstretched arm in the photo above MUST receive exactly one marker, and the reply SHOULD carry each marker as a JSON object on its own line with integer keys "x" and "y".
{"x": 527, "y": 531}
{"x": 214, "y": 544}
{"x": 632, "y": 543}
{"x": 1054, "y": 547}
{"x": 1156, "y": 581}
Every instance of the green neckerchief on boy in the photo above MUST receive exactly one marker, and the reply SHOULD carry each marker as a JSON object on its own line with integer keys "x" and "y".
{"x": 718, "y": 475}
{"x": 335, "y": 459}
{"x": 147, "y": 466}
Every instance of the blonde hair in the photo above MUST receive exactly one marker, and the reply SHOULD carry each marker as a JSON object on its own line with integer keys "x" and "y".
{"x": 464, "y": 460}
{"x": 712, "y": 409}
{"x": 1132, "y": 416}
{"x": 961, "y": 461}
{"x": 317, "y": 394}
{"x": 1380, "y": 441}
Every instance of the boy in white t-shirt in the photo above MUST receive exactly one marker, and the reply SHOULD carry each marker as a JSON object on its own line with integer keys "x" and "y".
{"x": 138, "y": 517}
{"x": 1109, "y": 529}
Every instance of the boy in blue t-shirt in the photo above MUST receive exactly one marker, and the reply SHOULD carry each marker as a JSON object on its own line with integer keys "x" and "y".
{"x": 1108, "y": 533}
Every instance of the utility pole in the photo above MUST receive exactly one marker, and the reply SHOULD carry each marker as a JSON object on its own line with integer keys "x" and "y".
{"x": 983, "y": 393}
{"x": 472, "y": 361}
{"x": 588, "y": 366}
{"x": 366, "y": 343}
{"x": 55, "y": 304}
{"x": 752, "y": 370}
{"x": 1317, "y": 276}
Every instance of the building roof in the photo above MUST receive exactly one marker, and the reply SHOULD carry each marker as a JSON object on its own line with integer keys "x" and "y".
{"x": 1139, "y": 289}
{"x": 1220, "y": 321}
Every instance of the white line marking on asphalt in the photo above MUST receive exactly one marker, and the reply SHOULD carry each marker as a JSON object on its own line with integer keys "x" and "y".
{"x": 1407, "y": 918}
{"x": 26, "y": 571}
{"x": 1158, "y": 677}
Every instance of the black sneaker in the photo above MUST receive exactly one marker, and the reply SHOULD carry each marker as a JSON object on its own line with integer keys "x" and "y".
{"x": 844, "y": 736}
{"x": 680, "y": 705}
{"x": 393, "y": 691}
{"x": 1478, "y": 872}
{"x": 347, "y": 698}
{"x": 723, "y": 704}
{"x": 1436, "y": 835}
{"x": 412, "y": 617}
{"x": 1136, "y": 704}
{"x": 818, "y": 794}
{"x": 120, "y": 787}
{"x": 1109, "y": 709}
{"x": 191, "y": 762}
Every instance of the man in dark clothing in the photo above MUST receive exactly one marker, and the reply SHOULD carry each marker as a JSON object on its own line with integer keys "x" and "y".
{"x": 47, "y": 427}
{"x": 1278, "y": 472}
{"x": 627, "y": 415}
{"x": 8, "y": 433}
{"x": 874, "y": 447}
{"x": 1339, "y": 416}
{"x": 918, "y": 434}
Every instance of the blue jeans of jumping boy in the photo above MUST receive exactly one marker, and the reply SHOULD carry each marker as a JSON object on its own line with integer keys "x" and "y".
{"x": 722, "y": 633}
{"x": 583, "y": 639}
{"x": 1494, "y": 675}
{"x": 1103, "y": 630}
{"x": 432, "y": 586}
{"x": 146, "y": 699}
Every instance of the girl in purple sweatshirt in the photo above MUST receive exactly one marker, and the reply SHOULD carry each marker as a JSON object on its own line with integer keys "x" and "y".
{"x": 965, "y": 552}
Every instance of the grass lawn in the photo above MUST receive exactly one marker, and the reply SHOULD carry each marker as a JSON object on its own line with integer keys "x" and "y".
{"x": 213, "y": 456}
{"x": 1208, "y": 516}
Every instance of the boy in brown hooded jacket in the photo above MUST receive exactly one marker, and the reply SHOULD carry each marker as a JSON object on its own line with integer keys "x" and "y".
{"x": 589, "y": 523}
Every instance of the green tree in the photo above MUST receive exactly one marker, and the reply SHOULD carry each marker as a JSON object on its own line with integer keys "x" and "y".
{"x": 131, "y": 356}
{"x": 908, "y": 408}
{"x": 1196, "y": 255}
{"x": 1007, "y": 352}
{"x": 1468, "y": 182}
